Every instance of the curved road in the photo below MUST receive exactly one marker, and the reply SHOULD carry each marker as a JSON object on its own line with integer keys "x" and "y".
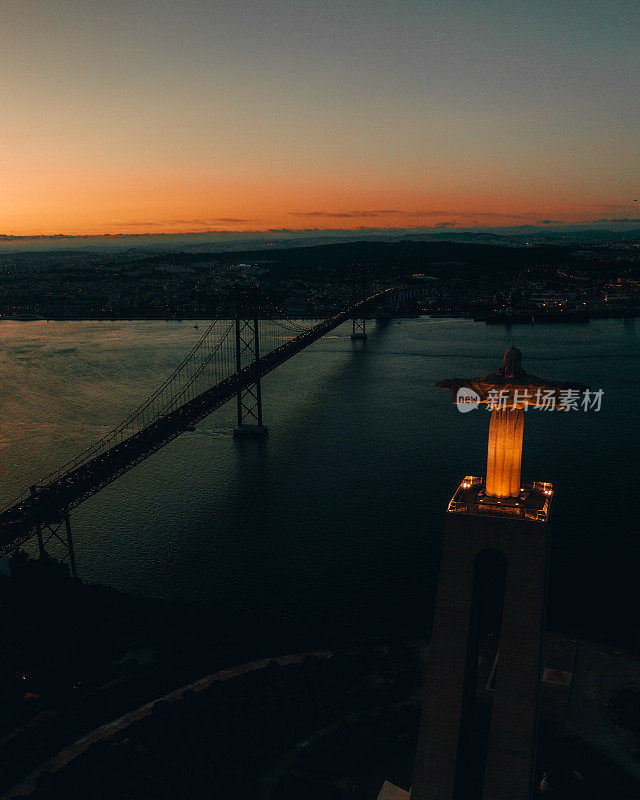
{"x": 72, "y": 751}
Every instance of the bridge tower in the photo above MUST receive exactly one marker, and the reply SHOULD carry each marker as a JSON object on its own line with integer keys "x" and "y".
{"x": 248, "y": 400}
{"x": 359, "y": 319}
{"x": 61, "y": 532}
{"x": 478, "y": 733}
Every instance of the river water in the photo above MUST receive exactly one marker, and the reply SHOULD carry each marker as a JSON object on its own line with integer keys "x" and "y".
{"x": 338, "y": 515}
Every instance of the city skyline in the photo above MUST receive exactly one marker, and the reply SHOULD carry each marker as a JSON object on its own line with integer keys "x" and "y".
{"x": 149, "y": 118}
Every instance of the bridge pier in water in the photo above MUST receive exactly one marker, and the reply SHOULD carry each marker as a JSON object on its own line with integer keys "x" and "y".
{"x": 248, "y": 400}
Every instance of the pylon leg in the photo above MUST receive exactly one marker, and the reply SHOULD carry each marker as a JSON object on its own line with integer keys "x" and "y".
{"x": 72, "y": 556}
{"x": 41, "y": 551}
{"x": 359, "y": 320}
{"x": 250, "y": 413}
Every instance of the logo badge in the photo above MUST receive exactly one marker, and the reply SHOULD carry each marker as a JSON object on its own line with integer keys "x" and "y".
{"x": 467, "y": 399}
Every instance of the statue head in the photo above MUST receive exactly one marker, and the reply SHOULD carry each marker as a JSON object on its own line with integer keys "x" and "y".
{"x": 511, "y": 366}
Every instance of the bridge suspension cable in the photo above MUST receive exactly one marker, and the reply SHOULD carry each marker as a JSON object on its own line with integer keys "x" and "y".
{"x": 214, "y": 342}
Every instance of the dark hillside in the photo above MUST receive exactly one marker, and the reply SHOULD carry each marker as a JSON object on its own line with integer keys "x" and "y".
{"x": 434, "y": 258}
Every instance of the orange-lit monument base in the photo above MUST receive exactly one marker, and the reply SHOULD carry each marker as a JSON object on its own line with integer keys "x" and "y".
{"x": 445, "y": 765}
{"x": 491, "y": 592}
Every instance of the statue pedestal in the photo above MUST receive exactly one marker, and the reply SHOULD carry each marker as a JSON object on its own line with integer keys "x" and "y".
{"x": 494, "y": 566}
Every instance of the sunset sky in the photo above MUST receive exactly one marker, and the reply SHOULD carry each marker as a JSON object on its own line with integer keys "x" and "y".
{"x": 146, "y": 116}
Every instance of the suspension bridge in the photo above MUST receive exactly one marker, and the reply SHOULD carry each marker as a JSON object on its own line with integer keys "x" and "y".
{"x": 228, "y": 362}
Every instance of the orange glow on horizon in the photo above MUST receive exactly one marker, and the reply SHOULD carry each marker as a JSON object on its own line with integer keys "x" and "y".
{"x": 203, "y": 117}
{"x": 101, "y": 204}
{"x": 55, "y": 189}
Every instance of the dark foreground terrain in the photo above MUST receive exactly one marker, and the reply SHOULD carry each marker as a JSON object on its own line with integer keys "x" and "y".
{"x": 332, "y": 723}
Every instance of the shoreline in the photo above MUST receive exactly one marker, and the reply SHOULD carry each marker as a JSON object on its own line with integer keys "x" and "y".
{"x": 531, "y": 319}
